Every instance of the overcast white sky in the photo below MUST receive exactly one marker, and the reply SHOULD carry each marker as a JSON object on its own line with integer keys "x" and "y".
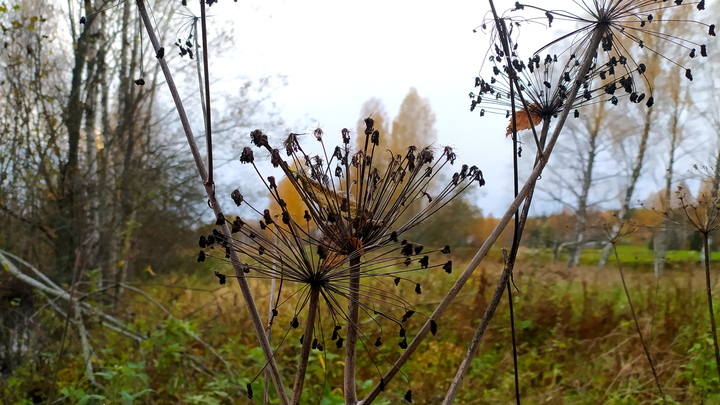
{"x": 338, "y": 54}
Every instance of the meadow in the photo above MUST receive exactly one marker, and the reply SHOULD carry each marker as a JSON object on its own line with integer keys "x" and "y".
{"x": 576, "y": 340}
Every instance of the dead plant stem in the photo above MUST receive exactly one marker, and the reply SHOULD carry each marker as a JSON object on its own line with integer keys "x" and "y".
{"x": 527, "y": 188}
{"x": 644, "y": 344}
{"x": 480, "y": 332}
{"x": 352, "y": 334}
{"x": 708, "y": 286}
{"x": 213, "y": 202}
{"x": 307, "y": 340}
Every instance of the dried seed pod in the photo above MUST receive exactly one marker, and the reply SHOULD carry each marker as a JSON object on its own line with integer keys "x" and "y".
{"x": 247, "y": 155}
{"x": 237, "y": 197}
{"x": 369, "y": 122}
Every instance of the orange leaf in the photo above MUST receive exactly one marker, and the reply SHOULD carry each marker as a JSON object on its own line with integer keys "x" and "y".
{"x": 521, "y": 119}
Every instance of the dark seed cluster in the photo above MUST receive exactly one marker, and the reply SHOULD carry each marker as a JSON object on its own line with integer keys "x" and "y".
{"x": 353, "y": 204}
{"x": 615, "y": 72}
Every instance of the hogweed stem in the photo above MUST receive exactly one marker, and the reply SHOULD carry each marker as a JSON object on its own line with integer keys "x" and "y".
{"x": 215, "y": 204}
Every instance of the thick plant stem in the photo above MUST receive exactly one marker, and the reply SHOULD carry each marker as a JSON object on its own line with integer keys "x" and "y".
{"x": 268, "y": 332}
{"x": 516, "y": 370}
{"x": 213, "y": 202}
{"x": 490, "y": 311}
{"x": 713, "y": 329}
{"x": 637, "y": 326}
{"x": 351, "y": 338}
{"x": 208, "y": 110}
{"x": 480, "y": 332}
{"x": 308, "y": 336}
{"x": 527, "y": 188}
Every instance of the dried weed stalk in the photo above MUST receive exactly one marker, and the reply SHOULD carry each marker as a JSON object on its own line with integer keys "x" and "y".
{"x": 703, "y": 216}
{"x": 593, "y": 65}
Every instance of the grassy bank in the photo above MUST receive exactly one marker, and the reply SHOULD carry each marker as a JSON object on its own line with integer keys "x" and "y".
{"x": 577, "y": 343}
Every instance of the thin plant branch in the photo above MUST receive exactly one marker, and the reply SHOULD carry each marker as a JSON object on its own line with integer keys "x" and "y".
{"x": 644, "y": 344}
{"x": 214, "y": 203}
{"x": 307, "y": 338}
{"x": 527, "y": 188}
{"x": 708, "y": 289}
{"x": 480, "y": 332}
{"x": 208, "y": 109}
{"x": 352, "y": 332}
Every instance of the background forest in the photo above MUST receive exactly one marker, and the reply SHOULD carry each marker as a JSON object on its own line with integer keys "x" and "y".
{"x": 104, "y": 299}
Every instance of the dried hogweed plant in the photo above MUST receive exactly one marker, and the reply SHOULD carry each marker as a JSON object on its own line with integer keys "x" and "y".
{"x": 345, "y": 254}
{"x": 597, "y": 60}
{"x": 611, "y": 35}
{"x": 702, "y": 215}
{"x": 350, "y": 234}
{"x": 612, "y": 233}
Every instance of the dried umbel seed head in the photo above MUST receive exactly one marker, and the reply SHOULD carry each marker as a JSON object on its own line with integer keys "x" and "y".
{"x": 616, "y": 25}
{"x": 247, "y": 155}
{"x": 237, "y": 197}
{"x": 258, "y": 138}
{"x": 349, "y": 217}
{"x": 221, "y": 277}
{"x": 275, "y": 159}
{"x": 291, "y": 144}
{"x": 369, "y": 122}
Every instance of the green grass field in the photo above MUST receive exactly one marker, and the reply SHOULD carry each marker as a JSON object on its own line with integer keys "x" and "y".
{"x": 576, "y": 341}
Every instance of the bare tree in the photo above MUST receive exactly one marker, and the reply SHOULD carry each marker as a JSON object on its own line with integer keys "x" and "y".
{"x": 583, "y": 151}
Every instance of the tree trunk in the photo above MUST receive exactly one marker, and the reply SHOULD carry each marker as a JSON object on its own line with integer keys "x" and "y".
{"x": 660, "y": 244}
{"x": 587, "y": 181}
{"x": 69, "y": 221}
{"x": 637, "y": 170}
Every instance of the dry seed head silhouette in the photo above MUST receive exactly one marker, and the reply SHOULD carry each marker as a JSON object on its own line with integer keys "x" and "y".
{"x": 349, "y": 229}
